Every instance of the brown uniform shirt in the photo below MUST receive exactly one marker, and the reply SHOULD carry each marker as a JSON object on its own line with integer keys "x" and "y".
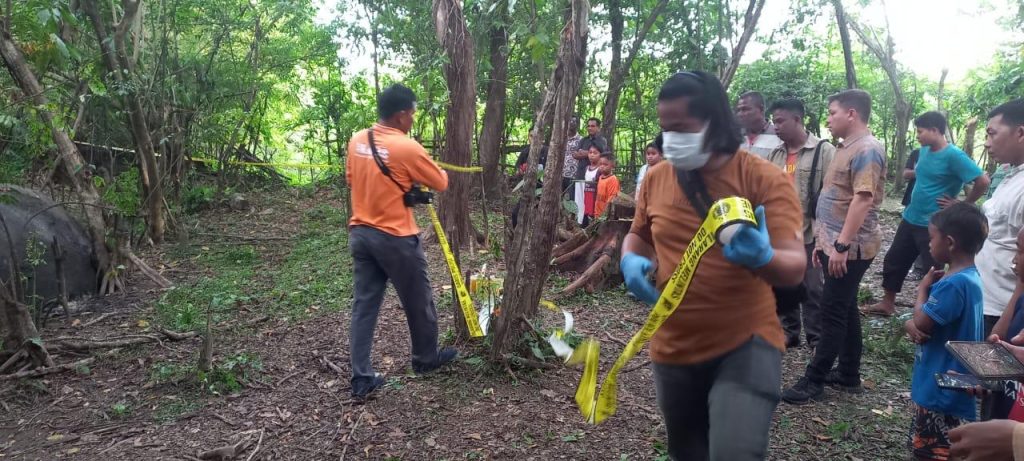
{"x": 726, "y": 304}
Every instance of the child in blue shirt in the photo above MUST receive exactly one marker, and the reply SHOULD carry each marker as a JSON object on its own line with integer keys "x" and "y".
{"x": 948, "y": 308}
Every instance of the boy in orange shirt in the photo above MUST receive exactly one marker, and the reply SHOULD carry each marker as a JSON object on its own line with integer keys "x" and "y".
{"x": 607, "y": 184}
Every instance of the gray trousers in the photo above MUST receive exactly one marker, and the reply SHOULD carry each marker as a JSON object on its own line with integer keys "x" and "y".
{"x": 376, "y": 258}
{"x": 810, "y": 309}
{"x": 721, "y": 409}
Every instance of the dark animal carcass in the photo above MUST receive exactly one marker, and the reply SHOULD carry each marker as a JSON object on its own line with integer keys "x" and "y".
{"x": 33, "y": 222}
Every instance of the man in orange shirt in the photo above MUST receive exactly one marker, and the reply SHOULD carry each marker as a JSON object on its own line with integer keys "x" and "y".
{"x": 718, "y": 358}
{"x": 383, "y": 166}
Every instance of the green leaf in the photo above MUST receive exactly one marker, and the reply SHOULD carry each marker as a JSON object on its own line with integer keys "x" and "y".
{"x": 537, "y": 352}
{"x": 97, "y": 88}
{"x": 570, "y": 206}
{"x": 44, "y": 17}
{"x": 60, "y": 46}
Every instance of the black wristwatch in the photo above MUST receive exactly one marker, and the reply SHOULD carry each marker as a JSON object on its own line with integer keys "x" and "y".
{"x": 840, "y": 247}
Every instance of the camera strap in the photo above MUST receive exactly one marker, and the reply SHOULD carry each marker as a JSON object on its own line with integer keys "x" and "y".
{"x": 380, "y": 162}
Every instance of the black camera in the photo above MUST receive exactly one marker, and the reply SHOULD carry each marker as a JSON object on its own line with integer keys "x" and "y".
{"x": 418, "y": 196}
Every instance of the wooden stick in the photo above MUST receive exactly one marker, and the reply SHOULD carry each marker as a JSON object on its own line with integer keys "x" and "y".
{"x": 149, "y": 271}
{"x": 259, "y": 443}
{"x": 48, "y": 370}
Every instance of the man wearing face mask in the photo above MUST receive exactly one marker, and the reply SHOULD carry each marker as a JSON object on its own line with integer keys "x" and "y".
{"x": 848, "y": 237}
{"x": 717, "y": 358}
{"x": 383, "y": 166}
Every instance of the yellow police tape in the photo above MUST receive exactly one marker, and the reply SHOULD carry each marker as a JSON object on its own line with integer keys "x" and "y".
{"x": 595, "y": 407}
{"x": 324, "y": 166}
{"x": 460, "y": 286}
{"x": 459, "y": 169}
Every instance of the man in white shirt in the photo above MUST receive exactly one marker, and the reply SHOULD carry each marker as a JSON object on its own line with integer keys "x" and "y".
{"x": 759, "y": 136}
{"x": 1004, "y": 140}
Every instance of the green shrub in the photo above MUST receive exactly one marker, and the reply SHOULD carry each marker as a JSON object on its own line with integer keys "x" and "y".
{"x": 197, "y": 197}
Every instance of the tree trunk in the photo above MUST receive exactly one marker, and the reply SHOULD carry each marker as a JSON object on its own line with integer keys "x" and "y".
{"x": 494, "y": 111}
{"x": 121, "y": 70}
{"x": 749, "y": 24}
{"x": 70, "y": 159}
{"x": 528, "y": 261}
{"x": 844, "y": 37}
{"x": 969, "y": 132}
{"x": 884, "y": 53}
{"x": 460, "y": 72}
{"x": 620, "y": 69}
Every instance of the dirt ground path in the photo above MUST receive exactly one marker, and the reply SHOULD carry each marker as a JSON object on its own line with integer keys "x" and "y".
{"x": 290, "y": 398}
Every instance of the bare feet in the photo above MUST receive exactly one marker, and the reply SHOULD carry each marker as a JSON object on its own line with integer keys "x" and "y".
{"x": 882, "y": 309}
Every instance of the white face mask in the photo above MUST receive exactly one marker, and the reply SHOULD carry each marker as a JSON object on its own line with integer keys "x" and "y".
{"x": 685, "y": 151}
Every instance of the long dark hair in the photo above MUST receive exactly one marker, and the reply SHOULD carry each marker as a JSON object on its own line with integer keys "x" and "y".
{"x": 708, "y": 102}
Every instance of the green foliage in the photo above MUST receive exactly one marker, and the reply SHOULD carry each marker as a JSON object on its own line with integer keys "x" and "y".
{"x": 865, "y": 296}
{"x": 122, "y": 192}
{"x": 184, "y": 306}
{"x": 171, "y": 410}
{"x": 228, "y": 376}
{"x": 309, "y": 279}
{"x": 197, "y": 197}
{"x": 886, "y": 340}
{"x": 120, "y": 409}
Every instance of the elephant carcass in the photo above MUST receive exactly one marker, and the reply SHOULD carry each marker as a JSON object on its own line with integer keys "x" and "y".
{"x": 33, "y": 223}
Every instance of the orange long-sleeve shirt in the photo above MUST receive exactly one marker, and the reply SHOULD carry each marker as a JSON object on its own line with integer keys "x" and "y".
{"x": 376, "y": 200}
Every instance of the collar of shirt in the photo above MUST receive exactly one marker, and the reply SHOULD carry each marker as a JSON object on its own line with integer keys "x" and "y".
{"x": 1012, "y": 171}
{"x": 847, "y": 142}
{"x": 386, "y": 129}
{"x": 811, "y": 143}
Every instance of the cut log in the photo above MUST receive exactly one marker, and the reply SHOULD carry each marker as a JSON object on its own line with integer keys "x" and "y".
{"x": 596, "y": 254}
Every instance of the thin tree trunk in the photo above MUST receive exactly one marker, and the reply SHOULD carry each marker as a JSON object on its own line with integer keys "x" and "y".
{"x": 884, "y": 53}
{"x": 460, "y": 72}
{"x": 969, "y": 133}
{"x": 749, "y": 24}
{"x": 619, "y": 68}
{"x": 120, "y": 68}
{"x": 494, "y": 111}
{"x": 844, "y": 37}
{"x": 530, "y": 253}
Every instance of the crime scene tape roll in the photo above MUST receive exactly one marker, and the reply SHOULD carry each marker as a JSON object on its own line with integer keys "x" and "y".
{"x": 465, "y": 303}
{"x": 725, "y": 214}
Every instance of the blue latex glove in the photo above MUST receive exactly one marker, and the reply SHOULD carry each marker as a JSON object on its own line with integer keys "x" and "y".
{"x": 635, "y": 269}
{"x": 751, "y": 246}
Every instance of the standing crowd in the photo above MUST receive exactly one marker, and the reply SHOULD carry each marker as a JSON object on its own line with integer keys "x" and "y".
{"x": 794, "y": 278}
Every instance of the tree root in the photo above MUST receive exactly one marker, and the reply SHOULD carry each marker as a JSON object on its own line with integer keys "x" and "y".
{"x": 47, "y": 370}
{"x": 579, "y": 238}
{"x": 88, "y": 344}
{"x": 149, "y": 271}
{"x": 575, "y": 253}
{"x": 589, "y": 276}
